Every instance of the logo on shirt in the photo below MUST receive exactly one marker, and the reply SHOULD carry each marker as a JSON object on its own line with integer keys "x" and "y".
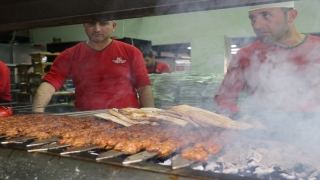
{"x": 119, "y": 60}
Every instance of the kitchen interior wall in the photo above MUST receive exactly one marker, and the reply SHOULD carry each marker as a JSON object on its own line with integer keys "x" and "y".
{"x": 186, "y": 27}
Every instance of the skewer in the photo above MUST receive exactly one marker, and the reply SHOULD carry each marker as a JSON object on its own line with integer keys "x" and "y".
{"x": 109, "y": 154}
{"x": 80, "y": 149}
{"x": 140, "y": 157}
{"x": 82, "y": 112}
{"x": 48, "y": 147}
{"x": 43, "y": 142}
{"x": 18, "y": 140}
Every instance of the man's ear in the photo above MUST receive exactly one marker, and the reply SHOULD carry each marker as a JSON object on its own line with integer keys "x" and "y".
{"x": 292, "y": 15}
{"x": 114, "y": 24}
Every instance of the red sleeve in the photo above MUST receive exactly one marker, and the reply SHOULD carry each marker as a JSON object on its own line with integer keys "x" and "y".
{"x": 165, "y": 68}
{"x": 5, "y": 77}
{"x": 139, "y": 72}
{"x": 232, "y": 85}
{"x": 59, "y": 70}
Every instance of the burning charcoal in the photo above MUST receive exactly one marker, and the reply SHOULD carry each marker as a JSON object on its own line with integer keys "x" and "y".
{"x": 197, "y": 166}
{"x": 302, "y": 175}
{"x": 230, "y": 168}
{"x": 253, "y": 155}
{"x": 231, "y": 171}
{"x": 175, "y": 157}
{"x": 287, "y": 176}
{"x": 314, "y": 175}
{"x": 214, "y": 167}
{"x": 262, "y": 172}
{"x": 168, "y": 162}
{"x": 298, "y": 167}
{"x": 252, "y": 164}
{"x": 246, "y": 172}
{"x": 277, "y": 168}
{"x": 229, "y": 165}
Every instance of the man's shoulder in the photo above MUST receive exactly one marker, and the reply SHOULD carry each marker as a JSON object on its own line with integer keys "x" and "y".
{"x": 162, "y": 63}
{"x": 75, "y": 47}
{"x": 313, "y": 38}
{"x": 251, "y": 47}
{"x": 126, "y": 46}
{"x": 123, "y": 44}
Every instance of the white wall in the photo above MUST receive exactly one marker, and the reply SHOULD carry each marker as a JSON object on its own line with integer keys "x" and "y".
{"x": 188, "y": 27}
{"x": 180, "y": 28}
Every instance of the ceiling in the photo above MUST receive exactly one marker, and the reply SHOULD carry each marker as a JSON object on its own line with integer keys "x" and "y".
{"x": 29, "y": 14}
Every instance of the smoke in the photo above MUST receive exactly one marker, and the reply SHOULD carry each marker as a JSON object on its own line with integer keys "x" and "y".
{"x": 284, "y": 96}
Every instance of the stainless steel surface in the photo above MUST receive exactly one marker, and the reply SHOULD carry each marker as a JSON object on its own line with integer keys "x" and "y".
{"x": 109, "y": 154}
{"x": 43, "y": 142}
{"x": 30, "y": 14}
{"x": 79, "y": 149}
{"x": 139, "y": 157}
{"x": 17, "y": 140}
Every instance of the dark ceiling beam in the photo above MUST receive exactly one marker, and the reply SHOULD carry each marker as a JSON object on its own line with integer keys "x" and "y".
{"x": 29, "y": 14}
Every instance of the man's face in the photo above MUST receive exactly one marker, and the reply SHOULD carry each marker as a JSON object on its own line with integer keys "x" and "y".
{"x": 149, "y": 61}
{"x": 269, "y": 24}
{"x": 99, "y": 31}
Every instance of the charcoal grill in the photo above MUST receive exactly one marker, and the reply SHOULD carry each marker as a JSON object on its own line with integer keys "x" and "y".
{"x": 18, "y": 163}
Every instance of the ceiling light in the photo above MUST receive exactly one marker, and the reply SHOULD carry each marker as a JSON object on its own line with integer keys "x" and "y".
{"x": 189, "y": 47}
{"x": 233, "y": 46}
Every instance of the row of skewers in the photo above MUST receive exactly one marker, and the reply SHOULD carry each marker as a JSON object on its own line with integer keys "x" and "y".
{"x": 156, "y": 132}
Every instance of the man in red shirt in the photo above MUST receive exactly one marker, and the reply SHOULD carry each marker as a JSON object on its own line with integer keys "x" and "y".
{"x": 5, "y": 88}
{"x": 106, "y": 73}
{"x": 280, "y": 72}
{"x": 154, "y": 66}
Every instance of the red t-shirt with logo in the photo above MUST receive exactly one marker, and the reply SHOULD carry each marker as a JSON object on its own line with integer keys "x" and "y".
{"x": 103, "y": 79}
{"x": 5, "y": 88}
{"x": 161, "y": 68}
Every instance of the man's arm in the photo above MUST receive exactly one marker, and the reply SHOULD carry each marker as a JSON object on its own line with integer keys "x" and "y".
{"x": 232, "y": 85}
{"x": 42, "y": 97}
{"x": 146, "y": 96}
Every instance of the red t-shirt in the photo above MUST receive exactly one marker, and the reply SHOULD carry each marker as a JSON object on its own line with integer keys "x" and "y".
{"x": 5, "y": 88}
{"x": 160, "y": 68}
{"x": 275, "y": 78}
{"x": 103, "y": 79}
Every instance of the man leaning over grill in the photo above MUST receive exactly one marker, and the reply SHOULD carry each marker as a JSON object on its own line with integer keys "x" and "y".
{"x": 280, "y": 73}
{"x": 106, "y": 73}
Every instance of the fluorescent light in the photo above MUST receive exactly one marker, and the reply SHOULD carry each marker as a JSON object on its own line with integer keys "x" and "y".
{"x": 235, "y": 49}
{"x": 189, "y": 47}
{"x": 233, "y": 45}
{"x": 233, "y": 52}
